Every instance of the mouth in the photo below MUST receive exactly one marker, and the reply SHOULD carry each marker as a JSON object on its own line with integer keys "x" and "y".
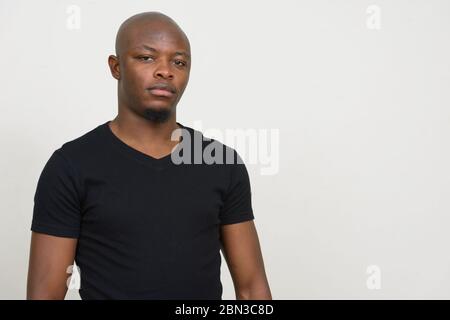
{"x": 162, "y": 90}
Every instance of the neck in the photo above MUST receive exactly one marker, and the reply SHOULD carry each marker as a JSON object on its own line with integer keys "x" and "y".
{"x": 136, "y": 129}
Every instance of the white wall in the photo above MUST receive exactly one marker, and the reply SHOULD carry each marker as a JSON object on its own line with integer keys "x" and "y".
{"x": 362, "y": 115}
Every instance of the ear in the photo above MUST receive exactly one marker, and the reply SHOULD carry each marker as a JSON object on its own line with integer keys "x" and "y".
{"x": 113, "y": 62}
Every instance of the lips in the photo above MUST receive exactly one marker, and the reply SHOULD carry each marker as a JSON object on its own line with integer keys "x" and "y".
{"x": 162, "y": 90}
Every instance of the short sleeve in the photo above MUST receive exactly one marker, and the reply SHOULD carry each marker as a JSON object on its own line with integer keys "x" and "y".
{"x": 237, "y": 205}
{"x": 57, "y": 209}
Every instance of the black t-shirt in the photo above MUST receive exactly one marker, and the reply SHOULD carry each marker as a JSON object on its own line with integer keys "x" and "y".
{"x": 147, "y": 228}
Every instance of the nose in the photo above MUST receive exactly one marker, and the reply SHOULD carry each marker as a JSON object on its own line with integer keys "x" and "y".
{"x": 163, "y": 71}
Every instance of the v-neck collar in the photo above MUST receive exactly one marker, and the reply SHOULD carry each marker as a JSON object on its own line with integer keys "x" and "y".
{"x": 157, "y": 163}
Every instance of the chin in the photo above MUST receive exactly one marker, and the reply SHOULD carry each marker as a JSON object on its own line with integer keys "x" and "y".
{"x": 159, "y": 115}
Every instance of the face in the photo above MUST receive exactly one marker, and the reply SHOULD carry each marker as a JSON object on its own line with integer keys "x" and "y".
{"x": 152, "y": 69}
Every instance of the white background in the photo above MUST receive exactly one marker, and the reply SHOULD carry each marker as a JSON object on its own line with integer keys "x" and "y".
{"x": 363, "y": 116}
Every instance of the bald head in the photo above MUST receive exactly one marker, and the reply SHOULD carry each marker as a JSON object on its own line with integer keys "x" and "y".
{"x": 152, "y": 66}
{"x": 143, "y": 25}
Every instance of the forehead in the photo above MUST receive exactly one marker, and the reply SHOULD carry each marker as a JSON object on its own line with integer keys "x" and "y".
{"x": 160, "y": 36}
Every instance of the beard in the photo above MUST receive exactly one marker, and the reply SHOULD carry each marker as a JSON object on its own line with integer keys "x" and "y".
{"x": 157, "y": 115}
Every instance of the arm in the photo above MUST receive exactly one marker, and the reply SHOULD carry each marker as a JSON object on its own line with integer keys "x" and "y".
{"x": 242, "y": 252}
{"x": 49, "y": 258}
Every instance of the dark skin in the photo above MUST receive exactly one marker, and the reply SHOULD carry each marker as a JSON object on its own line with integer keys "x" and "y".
{"x": 150, "y": 49}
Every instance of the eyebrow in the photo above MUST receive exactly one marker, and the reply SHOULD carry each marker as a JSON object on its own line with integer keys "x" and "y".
{"x": 177, "y": 53}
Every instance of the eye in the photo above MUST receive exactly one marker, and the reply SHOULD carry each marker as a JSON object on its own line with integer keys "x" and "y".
{"x": 180, "y": 63}
{"x": 145, "y": 58}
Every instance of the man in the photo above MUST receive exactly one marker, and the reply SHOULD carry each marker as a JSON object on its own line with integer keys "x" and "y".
{"x": 139, "y": 225}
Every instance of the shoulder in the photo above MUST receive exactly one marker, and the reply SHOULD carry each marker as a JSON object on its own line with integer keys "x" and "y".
{"x": 83, "y": 146}
{"x": 73, "y": 154}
